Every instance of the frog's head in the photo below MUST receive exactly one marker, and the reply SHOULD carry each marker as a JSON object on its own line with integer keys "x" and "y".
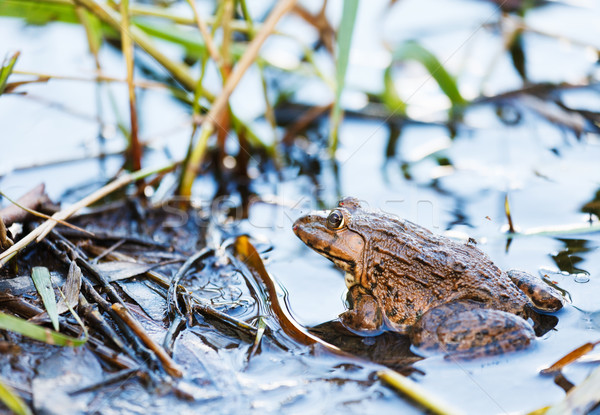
{"x": 335, "y": 235}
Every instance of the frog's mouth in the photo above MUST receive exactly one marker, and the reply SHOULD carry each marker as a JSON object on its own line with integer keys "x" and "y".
{"x": 342, "y": 246}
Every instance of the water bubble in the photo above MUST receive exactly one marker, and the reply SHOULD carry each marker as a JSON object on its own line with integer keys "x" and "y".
{"x": 582, "y": 277}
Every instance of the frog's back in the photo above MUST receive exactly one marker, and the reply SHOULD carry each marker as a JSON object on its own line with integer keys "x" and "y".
{"x": 413, "y": 270}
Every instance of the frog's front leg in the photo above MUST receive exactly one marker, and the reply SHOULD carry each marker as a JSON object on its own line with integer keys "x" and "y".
{"x": 465, "y": 329}
{"x": 364, "y": 316}
{"x": 543, "y": 297}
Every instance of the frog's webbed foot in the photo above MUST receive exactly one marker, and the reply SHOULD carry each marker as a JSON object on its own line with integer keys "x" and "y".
{"x": 543, "y": 297}
{"x": 464, "y": 329}
{"x": 364, "y": 316}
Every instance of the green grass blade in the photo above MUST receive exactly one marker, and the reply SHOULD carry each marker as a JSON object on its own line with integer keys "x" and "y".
{"x": 27, "y": 329}
{"x": 390, "y": 96}
{"x": 93, "y": 31}
{"x": 12, "y": 400}
{"x": 6, "y": 70}
{"x": 179, "y": 71}
{"x": 518, "y": 56}
{"x": 411, "y": 50}
{"x": 43, "y": 284}
{"x": 344, "y": 40}
{"x": 189, "y": 39}
{"x": 39, "y": 12}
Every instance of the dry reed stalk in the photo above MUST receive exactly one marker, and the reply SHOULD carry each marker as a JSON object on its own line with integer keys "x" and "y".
{"x": 220, "y": 102}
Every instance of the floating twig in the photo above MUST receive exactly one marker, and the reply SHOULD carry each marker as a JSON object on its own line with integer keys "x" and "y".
{"x": 198, "y": 305}
{"x": 569, "y": 358}
{"x": 174, "y": 284}
{"x": 112, "y": 357}
{"x": 416, "y": 392}
{"x": 233, "y": 322}
{"x": 108, "y": 380}
{"x": 97, "y": 320}
{"x": 174, "y": 329}
{"x": 18, "y": 305}
{"x": 170, "y": 366}
{"x": 89, "y": 291}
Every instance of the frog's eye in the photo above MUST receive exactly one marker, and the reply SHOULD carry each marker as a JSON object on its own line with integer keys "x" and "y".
{"x": 335, "y": 220}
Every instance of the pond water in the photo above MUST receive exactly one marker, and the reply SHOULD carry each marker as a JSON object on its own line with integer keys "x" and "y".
{"x": 453, "y": 184}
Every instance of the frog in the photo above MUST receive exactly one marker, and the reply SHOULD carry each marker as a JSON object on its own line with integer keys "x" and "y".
{"x": 446, "y": 295}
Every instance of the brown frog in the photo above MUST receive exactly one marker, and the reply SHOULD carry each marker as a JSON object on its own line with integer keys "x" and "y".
{"x": 445, "y": 295}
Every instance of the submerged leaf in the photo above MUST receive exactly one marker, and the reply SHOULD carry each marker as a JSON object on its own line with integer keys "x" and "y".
{"x": 411, "y": 50}
{"x": 27, "y": 329}
{"x": 12, "y": 400}
{"x": 43, "y": 284}
{"x": 71, "y": 289}
{"x": 122, "y": 270}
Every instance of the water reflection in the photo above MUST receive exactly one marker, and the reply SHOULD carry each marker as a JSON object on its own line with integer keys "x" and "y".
{"x": 593, "y": 206}
{"x": 567, "y": 259}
